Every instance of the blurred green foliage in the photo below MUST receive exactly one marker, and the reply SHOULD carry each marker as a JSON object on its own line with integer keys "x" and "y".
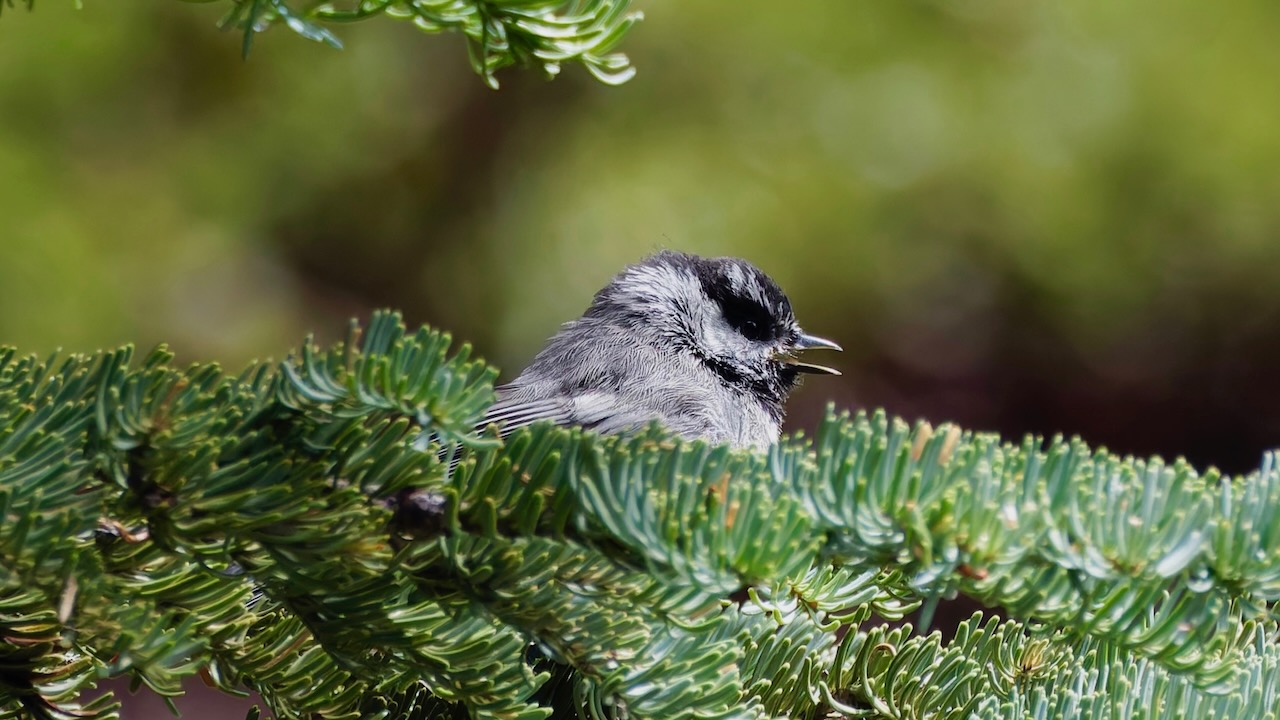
{"x": 1020, "y": 215}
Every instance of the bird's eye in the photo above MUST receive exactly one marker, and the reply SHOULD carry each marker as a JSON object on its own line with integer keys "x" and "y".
{"x": 748, "y": 318}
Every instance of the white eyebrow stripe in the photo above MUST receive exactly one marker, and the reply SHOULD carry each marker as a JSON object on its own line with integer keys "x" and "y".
{"x": 745, "y": 281}
{"x": 737, "y": 280}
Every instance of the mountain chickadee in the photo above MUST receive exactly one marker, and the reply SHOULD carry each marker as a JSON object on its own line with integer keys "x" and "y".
{"x": 705, "y": 346}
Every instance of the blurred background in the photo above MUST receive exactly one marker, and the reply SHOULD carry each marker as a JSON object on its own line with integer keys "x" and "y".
{"x": 1029, "y": 217}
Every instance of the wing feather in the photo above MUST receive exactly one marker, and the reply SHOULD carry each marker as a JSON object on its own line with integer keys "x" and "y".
{"x": 601, "y": 411}
{"x": 511, "y": 415}
{"x": 597, "y": 410}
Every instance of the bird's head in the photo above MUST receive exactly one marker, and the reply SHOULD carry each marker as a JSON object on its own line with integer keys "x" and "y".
{"x": 724, "y": 311}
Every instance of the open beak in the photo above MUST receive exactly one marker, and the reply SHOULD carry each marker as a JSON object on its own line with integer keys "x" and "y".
{"x": 811, "y": 342}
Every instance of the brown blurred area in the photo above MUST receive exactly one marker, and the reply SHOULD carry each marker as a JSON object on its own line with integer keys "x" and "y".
{"x": 1021, "y": 217}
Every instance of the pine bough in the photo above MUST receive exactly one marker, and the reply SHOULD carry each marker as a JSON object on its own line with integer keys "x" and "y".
{"x": 331, "y": 532}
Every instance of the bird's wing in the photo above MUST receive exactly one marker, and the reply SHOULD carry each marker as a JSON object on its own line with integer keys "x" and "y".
{"x": 597, "y": 410}
{"x": 610, "y": 414}
{"x": 512, "y": 414}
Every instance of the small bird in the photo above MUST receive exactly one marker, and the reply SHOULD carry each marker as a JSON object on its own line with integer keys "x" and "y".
{"x": 705, "y": 346}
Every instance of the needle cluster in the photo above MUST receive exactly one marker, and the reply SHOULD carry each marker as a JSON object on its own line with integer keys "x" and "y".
{"x": 333, "y": 532}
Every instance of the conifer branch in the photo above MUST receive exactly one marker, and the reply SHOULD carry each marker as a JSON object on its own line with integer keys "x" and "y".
{"x": 333, "y": 532}
{"x": 529, "y": 33}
